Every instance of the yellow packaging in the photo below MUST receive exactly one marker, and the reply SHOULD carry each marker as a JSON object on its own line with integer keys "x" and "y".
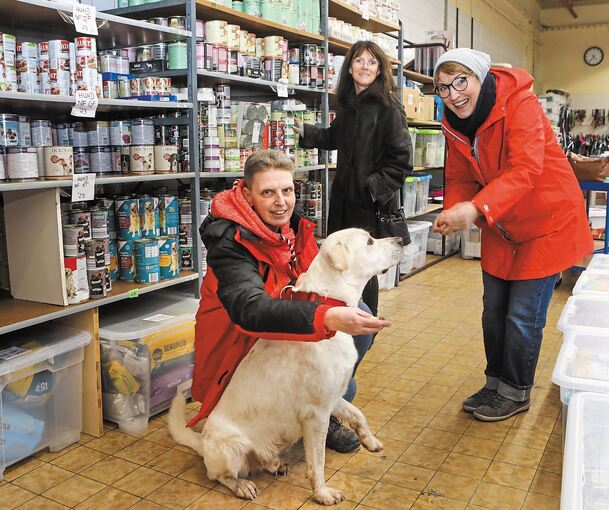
{"x": 412, "y": 103}
{"x": 427, "y": 108}
{"x": 169, "y": 344}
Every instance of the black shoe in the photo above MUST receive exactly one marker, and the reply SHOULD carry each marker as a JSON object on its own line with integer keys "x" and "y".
{"x": 500, "y": 408}
{"x": 481, "y": 397}
{"x": 341, "y": 439}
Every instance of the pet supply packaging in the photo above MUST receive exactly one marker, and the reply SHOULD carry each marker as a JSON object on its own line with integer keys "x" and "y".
{"x": 471, "y": 243}
{"x": 599, "y": 262}
{"x": 429, "y": 148}
{"x": 582, "y": 365}
{"x": 585, "y": 313}
{"x": 416, "y": 251}
{"x": 147, "y": 350}
{"x": 40, "y": 390}
{"x": 592, "y": 283}
{"x": 585, "y": 476}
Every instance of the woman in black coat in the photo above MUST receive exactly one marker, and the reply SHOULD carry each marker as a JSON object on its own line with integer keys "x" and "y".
{"x": 374, "y": 147}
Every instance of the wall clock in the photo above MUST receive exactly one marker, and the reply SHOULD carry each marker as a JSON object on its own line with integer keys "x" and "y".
{"x": 593, "y": 56}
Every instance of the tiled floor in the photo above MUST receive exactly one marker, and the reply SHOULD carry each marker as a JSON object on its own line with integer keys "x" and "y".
{"x": 411, "y": 385}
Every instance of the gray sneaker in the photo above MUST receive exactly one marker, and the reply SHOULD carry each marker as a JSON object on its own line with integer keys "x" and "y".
{"x": 500, "y": 408}
{"x": 481, "y": 397}
{"x": 341, "y": 439}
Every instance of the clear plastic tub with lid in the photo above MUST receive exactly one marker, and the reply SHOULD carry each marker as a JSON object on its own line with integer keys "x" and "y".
{"x": 585, "y": 313}
{"x": 594, "y": 283}
{"x": 599, "y": 262}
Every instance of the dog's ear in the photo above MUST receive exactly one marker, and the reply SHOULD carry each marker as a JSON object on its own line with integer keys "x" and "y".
{"x": 340, "y": 256}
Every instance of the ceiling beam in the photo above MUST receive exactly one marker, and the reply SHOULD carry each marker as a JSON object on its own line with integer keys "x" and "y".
{"x": 569, "y": 6}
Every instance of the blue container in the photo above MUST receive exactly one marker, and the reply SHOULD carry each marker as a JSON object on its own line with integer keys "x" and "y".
{"x": 169, "y": 257}
{"x": 113, "y": 267}
{"x": 128, "y": 214}
{"x": 149, "y": 217}
{"x": 169, "y": 215}
{"x": 147, "y": 268}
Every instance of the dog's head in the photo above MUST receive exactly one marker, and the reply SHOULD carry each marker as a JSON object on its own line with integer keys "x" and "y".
{"x": 149, "y": 206}
{"x": 133, "y": 208}
{"x": 355, "y": 251}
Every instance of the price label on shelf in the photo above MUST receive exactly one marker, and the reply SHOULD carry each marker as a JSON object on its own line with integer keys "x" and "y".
{"x": 133, "y": 293}
{"x": 83, "y": 187}
{"x": 282, "y": 89}
{"x": 85, "y": 105}
{"x": 84, "y": 19}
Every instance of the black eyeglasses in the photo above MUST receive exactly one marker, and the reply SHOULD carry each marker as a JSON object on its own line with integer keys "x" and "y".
{"x": 459, "y": 84}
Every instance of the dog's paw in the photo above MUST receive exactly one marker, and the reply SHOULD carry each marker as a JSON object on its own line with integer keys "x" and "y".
{"x": 282, "y": 470}
{"x": 328, "y": 496}
{"x": 372, "y": 444}
{"x": 245, "y": 489}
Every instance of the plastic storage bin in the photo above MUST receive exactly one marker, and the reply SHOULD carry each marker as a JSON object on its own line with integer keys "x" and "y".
{"x": 434, "y": 240}
{"x": 387, "y": 281}
{"x": 599, "y": 262}
{"x": 585, "y": 474}
{"x": 409, "y": 196}
{"x": 40, "y": 390}
{"x": 471, "y": 243}
{"x": 585, "y": 313}
{"x": 582, "y": 365}
{"x": 594, "y": 283}
{"x": 422, "y": 189}
{"x": 416, "y": 251}
{"x": 147, "y": 350}
{"x": 429, "y": 148}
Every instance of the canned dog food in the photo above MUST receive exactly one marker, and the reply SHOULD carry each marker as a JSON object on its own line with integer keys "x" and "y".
{"x": 100, "y": 160}
{"x": 25, "y": 132}
{"x": 9, "y": 129}
{"x": 128, "y": 214}
{"x": 116, "y": 159}
{"x": 142, "y": 132}
{"x": 177, "y": 22}
{"x": 113, "y": 267}
{"x": 82, "y": 218}
{"x": 77, "y": 288}
{"x": 169, "y": 257}
{"x": 143, "y": 53}
{"x": 159, "y": 21}
{"x": 98, "y": 133}
{"x": 99, "y": 222}
{"x": 62, "y": 134}
{"x": 95, "y": 251}
{"x": 126, "y": 262}
{"x": 169, "y": 215}
{"x": 3, "y": 175}
{"x": 96, "y": 279}
{"x": 58, "y": 162}
{"x": 79, "y": 135}
{"x": 165, "y": 159}
{"x": 125, "y": 160}
{"x": 22, "y": 163}
{"x": 81, "y": 160}
{"x": 187, "y": 263}
{"x": 73, "y": 240}
{"x": 120, "y": 132}
{"x": 141, "y": 159}
{"x": 147, "y": 268}
{"x": 185, "y": 234}
{"x": 149, "y": 216}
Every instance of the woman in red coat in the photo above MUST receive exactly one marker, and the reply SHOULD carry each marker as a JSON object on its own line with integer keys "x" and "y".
{"x": 506, "y": 172}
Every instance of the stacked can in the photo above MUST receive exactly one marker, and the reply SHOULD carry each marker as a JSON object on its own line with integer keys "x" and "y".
{"x": 312, "y": 66}
{"x": 128, "y": 222}
{"x": 185, "y": 235}
{"x": 167, "y": 141}
{"x": 309, "y": 201}
{"x": 146, "y": 254}
{"x": 8, "y": 70}
{"x": 27, "y": 68}
{"x": 87, "y": 77}
{"x": 141, "y": 152}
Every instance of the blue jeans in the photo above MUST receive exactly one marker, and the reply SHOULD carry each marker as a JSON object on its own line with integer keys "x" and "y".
{"x": 362, "y": 344}
{"x": 513, "y": 319}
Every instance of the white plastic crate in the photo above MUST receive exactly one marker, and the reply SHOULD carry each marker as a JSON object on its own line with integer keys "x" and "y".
{"x": 471, "y": 243}
{"x": 409, "y": 196}
{"x": 594, "y": 283}
{"x": 147, "y": 350}
{"x": 40, "y": 390}
{"x": 585, "y": 474}
{"x": 599, "y": 262}
{"x": 416, "y": 251}
{"x": 387, "y": 281}
{"x": 585, "y": 313}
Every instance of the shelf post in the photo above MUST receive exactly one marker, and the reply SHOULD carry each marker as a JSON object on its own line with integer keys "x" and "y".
{"x": 325, "y": 113}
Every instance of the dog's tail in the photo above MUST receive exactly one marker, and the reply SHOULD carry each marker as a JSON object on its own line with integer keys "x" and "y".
{"x": 176, "y": 424}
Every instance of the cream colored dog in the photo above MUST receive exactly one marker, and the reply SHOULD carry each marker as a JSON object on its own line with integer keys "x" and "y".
{"x": 284, "y": 391}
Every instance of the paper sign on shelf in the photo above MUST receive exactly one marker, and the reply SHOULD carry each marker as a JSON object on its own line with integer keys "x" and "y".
{"x": 85, "y": 105}
{"x": 282, "y": 89}
{"x": 366, "y": 14}
{"x": 256, "y": 132}
{"x": 159, "y": 317}
{"x": 84, "y": 19}
{"x": 83, "y": 187}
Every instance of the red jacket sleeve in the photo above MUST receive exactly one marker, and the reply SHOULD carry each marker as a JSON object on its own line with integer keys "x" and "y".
{"x": 525, "y": 143}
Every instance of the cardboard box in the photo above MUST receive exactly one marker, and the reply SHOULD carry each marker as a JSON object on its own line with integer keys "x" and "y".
{"x": 411, "y": 100}
{"x": 427, "y": 108}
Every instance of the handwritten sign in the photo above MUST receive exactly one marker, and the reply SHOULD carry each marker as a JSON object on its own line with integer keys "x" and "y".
{"x": 86, "y": 104}
{"x": 83, "y": 187}
{"x": 282, "y": 89}
{"x": 84, "y": 19}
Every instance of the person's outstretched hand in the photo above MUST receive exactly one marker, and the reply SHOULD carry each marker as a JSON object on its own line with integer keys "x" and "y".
{"x": 459, "y": 217}
{"x": 353, "y": 321}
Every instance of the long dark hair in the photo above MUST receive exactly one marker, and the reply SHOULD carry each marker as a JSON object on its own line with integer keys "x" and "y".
{"x": 382, "y": 88}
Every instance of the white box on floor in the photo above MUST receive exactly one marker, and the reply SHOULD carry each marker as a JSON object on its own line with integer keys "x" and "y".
{"x": 147, "y": 350}
{"x": 599, "y": 262}
{"x": 416, "y": 251}
{"x": 40, "y": 390}
{"x": 593, "y": 283}
{"x": 585, "y": 474}
{"x": 471, "y": 243}
{"x": 585, "y": 313}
